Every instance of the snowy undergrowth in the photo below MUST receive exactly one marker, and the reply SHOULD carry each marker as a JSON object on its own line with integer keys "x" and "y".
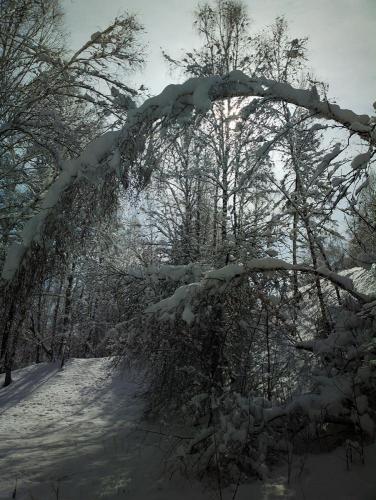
{"x": 195, "y": 360}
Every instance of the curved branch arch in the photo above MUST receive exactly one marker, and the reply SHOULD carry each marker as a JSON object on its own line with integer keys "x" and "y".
{"x": 216, "y": 282}
{"x": 119, "y": 149}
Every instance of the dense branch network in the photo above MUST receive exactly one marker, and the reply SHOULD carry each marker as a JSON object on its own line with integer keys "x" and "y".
{"x": 118, "y": 150}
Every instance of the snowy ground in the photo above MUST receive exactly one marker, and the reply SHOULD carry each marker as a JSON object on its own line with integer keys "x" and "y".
{"x": 77, "y": 433}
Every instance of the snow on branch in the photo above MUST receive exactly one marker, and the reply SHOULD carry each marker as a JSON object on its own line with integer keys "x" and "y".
{"x": 174, "y": 103}
{"x": 342, "y": 282}
{"x": 85, "y": 165}
{"x": 214, "y": 282}
{"x": 200, "y": 93}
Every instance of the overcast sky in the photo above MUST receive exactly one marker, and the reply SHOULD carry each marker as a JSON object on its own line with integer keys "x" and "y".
{"x": 342, "y": 36}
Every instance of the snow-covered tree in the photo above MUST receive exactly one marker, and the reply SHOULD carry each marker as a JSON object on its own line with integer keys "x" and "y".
{"x": 214, "y": 331}
{"x": 52, "y": 104}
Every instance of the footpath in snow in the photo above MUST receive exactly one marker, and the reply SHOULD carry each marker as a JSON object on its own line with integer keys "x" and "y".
{"x": 78, "y": 434}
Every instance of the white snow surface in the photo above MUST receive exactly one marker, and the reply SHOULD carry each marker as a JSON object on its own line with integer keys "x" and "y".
{"x": 77, "y": 433}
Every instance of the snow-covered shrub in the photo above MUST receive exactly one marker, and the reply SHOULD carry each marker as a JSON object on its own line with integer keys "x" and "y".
{"x": 234, "y": 443}
{"x": 223, "y": 358}
{"x": 218, "y": 352}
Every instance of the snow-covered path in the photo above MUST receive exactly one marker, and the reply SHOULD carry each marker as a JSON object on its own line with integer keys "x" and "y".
{"x": 65, "y": 429}
{"x": 75, "y": 434}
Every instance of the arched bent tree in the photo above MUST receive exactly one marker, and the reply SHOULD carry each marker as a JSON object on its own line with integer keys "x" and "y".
{"x": 117, "y": 151}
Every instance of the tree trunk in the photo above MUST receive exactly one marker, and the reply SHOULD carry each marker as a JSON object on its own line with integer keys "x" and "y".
{"x": 67, "y": 316}
{"x": 54, "y": 321}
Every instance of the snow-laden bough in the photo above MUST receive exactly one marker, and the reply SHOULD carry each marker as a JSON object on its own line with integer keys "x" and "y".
{"x": 116, "y": 150}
